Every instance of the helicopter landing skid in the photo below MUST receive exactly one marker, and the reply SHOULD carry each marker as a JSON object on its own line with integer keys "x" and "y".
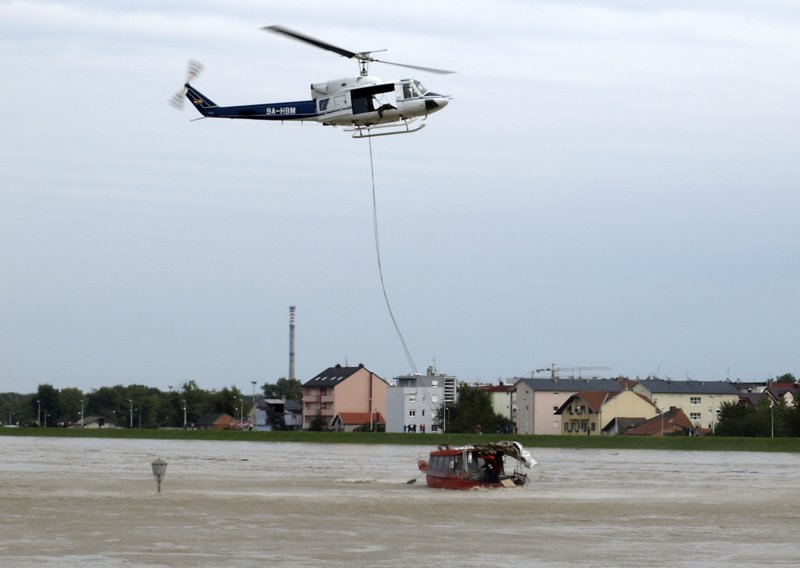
{"x": 405, "y": 128}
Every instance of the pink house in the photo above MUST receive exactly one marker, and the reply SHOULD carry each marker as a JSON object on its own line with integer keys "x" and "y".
{"x": 338, "y": 390}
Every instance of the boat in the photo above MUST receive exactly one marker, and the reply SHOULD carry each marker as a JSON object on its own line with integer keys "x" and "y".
{"x": 476, "y": 465}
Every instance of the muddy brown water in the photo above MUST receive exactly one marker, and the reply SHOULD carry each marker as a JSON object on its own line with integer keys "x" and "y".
{"x": 91, "y": 502}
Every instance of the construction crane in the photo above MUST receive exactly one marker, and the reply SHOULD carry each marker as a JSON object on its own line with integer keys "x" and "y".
{"x": 554, "y": 371}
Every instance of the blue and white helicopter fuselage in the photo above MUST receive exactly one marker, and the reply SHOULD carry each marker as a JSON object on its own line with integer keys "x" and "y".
{"x": 361, "y": 103}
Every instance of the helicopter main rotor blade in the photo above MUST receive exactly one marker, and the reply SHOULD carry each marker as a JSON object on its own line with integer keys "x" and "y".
{"x": 428, "y": 69}
{"x": 363, "y": 57}
{"x": 310, "y": 40}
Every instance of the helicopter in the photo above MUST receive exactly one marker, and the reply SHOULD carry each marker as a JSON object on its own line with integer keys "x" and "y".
{"x": 366, "y": 105}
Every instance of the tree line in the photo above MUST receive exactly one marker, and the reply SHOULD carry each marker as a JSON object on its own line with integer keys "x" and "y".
{"x": 138, "y": 406}
{"x": 149, "y": 407}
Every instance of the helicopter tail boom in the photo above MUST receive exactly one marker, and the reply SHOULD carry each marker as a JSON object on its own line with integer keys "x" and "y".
{"x": 295, "y": 110}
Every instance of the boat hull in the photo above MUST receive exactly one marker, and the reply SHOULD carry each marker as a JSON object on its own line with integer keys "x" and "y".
{"x": 438, "y": 482}
{"x": 474, "y": 466}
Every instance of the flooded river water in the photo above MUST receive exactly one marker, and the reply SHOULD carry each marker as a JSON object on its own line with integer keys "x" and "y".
{"x": 93, "y": 502}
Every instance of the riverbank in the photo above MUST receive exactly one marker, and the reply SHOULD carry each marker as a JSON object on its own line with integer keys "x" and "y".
{"x": 705, "y": 443}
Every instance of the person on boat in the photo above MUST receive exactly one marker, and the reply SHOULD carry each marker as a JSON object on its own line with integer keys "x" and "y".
{"x": 490, "y": 465}
{"x": 500, "y": 464}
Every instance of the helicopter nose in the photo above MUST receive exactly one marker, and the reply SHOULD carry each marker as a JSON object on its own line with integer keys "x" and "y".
{"x": 436, "y": 103}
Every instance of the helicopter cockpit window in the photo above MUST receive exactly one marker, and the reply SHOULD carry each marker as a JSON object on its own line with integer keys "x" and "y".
{"x": 413, "y": 89}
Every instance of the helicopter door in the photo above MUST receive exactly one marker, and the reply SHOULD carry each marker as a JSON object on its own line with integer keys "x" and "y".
{"x": 364, "y": 98}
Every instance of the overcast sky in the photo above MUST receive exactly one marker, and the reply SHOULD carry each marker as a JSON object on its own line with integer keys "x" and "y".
{"x": 615, "y": 184}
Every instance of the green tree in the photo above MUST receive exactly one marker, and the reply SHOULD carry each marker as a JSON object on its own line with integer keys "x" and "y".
{"x": 473, "y": 409}
{"x": 48, "y": 400}
{"x": 786, "y": 378}
{"x": 318, "y": 423}
{"x": 109, "y": 403}
{"x": 17, "y": 408}
{"x": 289, "y": 389}
{"x": 228, "y": 401}
{"x": 70, "y": 406}
{"x": 732, "y": 419}
{"x": 194, "y": 400}
{"x": 766, "y": 419}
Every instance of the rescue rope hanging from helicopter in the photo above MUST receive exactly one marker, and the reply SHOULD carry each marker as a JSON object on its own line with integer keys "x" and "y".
{"x": 427, "y": 399}
{"x": 409, "y": 358}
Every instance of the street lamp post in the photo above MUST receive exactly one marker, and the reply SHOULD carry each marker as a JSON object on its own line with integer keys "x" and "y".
{"x": 81, "y": 413}
{"x": 39, "y": 414}
{"x": 771, "y": 419}
{"x": 184, "y": 414}
{"x": 241, "y": 414}
{"x": 131, "y": 413}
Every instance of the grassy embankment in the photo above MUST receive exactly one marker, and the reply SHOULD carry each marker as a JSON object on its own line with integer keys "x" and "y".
{"x": 531, "y": 442}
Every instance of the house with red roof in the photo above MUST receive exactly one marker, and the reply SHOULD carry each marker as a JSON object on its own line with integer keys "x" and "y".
{"x": 359, "y": 421}
{"x": 670, "y": 423}
{"x": 535, "y": 401}
{"x": 217, "y": 421}
{"x": 590, "y": 412}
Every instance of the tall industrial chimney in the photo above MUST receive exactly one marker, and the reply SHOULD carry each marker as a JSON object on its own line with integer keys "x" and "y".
{"x": 291, "y": 343}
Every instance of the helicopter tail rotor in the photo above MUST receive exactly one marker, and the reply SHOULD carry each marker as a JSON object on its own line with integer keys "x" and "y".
{"x": 193, "y": 70}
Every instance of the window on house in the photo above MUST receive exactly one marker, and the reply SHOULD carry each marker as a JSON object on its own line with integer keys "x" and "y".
{"x": 694, "y": 399}
{"x": 412, "y": 412}
{"x": 694, "y": 416}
